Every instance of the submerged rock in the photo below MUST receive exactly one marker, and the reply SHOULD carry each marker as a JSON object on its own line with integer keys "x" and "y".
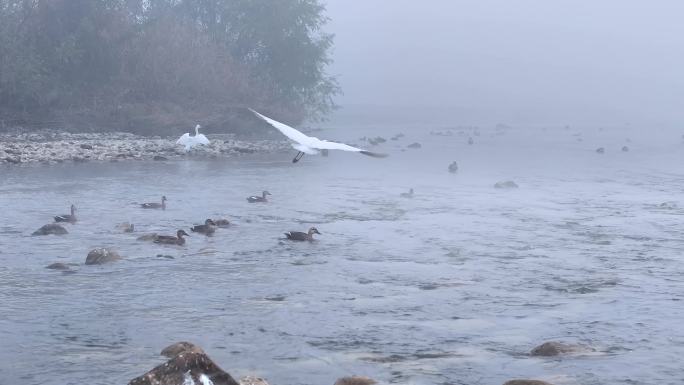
{"x": 625, "y": 149}
{"x": 414, "y": 145}
{"x": 57, "y": 266}
{"x": 453, "y": 167}
{"x": 377, "y": 140}
{"x": 190, "y": 367}
{"x": 180, "y": 347}
{"x": 509, "y": 184}
{"x": 160, "y": 158}
{"x": 470, "y": 140}
{"x": 252, "y": 380}
{"x": 554, "y": 348}
{"x": 526, "y": 382}
{"x": 126, "y": 227}
{"x": 101, "y": 255}
{"x": 355, "y": 380}
{"x": 600, "y": 150}
{"x": 51, "y": 228}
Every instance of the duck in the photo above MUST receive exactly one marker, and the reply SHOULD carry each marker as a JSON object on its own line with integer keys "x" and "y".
{"x": 407, "y": 194}
{"x": 71, "y": 218}
{"x": 300, "y": 236}
{"x": 171, "y": 240}
{"x": 221, "y": 222}
{"x": 155, "y": 205}
{"x": 262, "y": 198}
{"x": 208, "y": 228}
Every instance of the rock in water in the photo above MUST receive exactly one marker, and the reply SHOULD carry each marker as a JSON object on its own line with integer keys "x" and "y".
{"x": 470, "y": 140}
{"x": 453, "y": 167}
{"x": 101, "y": 255}
{"x": 625, "y": 149}
{"x": 415, "y": 145}
{"x": 183, "y": 368}
{"x": 51, "y": 228}
{"x": 509, "y": 184}
{"x": 600, "y": 150}
{"x": 180, "y": 347}
{"x": 57, "y": 266}
{"x": 553, "y": 348}
{"x": 526, "y": 382}
{"x": 251, "y": 380}
{"x": 355, "y": 380}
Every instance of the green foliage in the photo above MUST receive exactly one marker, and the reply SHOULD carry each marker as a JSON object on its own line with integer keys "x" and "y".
{"x": 59, "y": 56}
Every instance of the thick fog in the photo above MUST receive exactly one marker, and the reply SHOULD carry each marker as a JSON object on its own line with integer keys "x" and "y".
{"x": 534, "y": 62}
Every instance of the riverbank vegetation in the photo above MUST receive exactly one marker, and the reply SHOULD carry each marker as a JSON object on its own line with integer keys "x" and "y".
{"x": 159, "y": 66}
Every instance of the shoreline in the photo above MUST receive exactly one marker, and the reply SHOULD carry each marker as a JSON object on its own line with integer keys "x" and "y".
{"x": 50, "y": 147}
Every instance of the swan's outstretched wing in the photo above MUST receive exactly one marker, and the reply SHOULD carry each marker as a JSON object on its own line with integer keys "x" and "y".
{"x": 326, "y": 145}
{"x": 183, "y": 139}
{"x": 201, "y": 139}
{"x": 285, "y": 129}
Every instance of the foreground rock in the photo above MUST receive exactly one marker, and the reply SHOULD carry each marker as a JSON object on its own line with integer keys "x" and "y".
{"x": 554, "y": 348}
{"x": 526, "y": 382}
{"x": 188, "y": 367}
{"x": 51, "y": 229}
{"x": 355, "y": 380}
{"x": 101, "y": 255}
{"x": 509, "y": 184}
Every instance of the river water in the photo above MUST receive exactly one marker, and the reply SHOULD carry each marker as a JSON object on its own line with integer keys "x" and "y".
{"x": 453, "y": 286}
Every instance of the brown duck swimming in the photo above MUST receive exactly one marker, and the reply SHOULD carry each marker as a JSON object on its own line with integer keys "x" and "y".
{"x": 299, "y": 236}
{"x": 208, "y": 228}
{"x": 155, "y": 205}
{"x": 262, "y": 198}
{"x": 71, "y": 218}
{"x": 171, "y": 240}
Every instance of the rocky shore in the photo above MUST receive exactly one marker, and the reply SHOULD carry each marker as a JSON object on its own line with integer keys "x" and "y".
{"x": 57, "y": 147}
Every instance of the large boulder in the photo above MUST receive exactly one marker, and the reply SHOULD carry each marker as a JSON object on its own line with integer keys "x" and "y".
{"x": 526, "y": 382}
{"x": 554, "y": 348}
{"x": 101, "y": 255}
{"x": 190, "y": 367}
{"x": 51, "y": 228}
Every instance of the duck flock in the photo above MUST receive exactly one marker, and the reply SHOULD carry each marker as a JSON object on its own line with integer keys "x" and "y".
{"x": 208, "y": 228}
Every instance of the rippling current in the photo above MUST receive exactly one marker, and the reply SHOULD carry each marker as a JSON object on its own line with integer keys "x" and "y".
{"x": 453, "y": 286}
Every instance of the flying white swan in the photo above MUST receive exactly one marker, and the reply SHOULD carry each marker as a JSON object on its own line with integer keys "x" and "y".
{"x": 309, "y": 144}
{"x": 192, "y": 141}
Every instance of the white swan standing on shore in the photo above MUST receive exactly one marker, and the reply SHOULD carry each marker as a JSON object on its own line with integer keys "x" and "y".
{"x": 192, "y": 141}
{"x": 309, "y": 144}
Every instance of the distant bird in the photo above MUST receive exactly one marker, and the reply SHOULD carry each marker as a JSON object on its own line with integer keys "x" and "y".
{"x": 192, "y": 141}
{"x": 155, "y": 205}
{"x": 407, "y": 194}
{"x": 208, "y": 228}
{"x": 71, "y": 218}
{"x": 309, "y": 144}
{"x": 299, "y": 236}
{"x": 171, "y": 240}
{"x": 256, "y": 198}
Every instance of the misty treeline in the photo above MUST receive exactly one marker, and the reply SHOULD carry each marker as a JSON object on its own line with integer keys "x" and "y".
{"x": 159, "y": 65}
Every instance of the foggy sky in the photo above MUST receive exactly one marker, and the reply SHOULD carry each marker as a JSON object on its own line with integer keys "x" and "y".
{"x": 603, "y": 62}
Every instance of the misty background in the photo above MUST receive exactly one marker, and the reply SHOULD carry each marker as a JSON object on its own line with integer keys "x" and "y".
{"x": 614, "y": 63}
